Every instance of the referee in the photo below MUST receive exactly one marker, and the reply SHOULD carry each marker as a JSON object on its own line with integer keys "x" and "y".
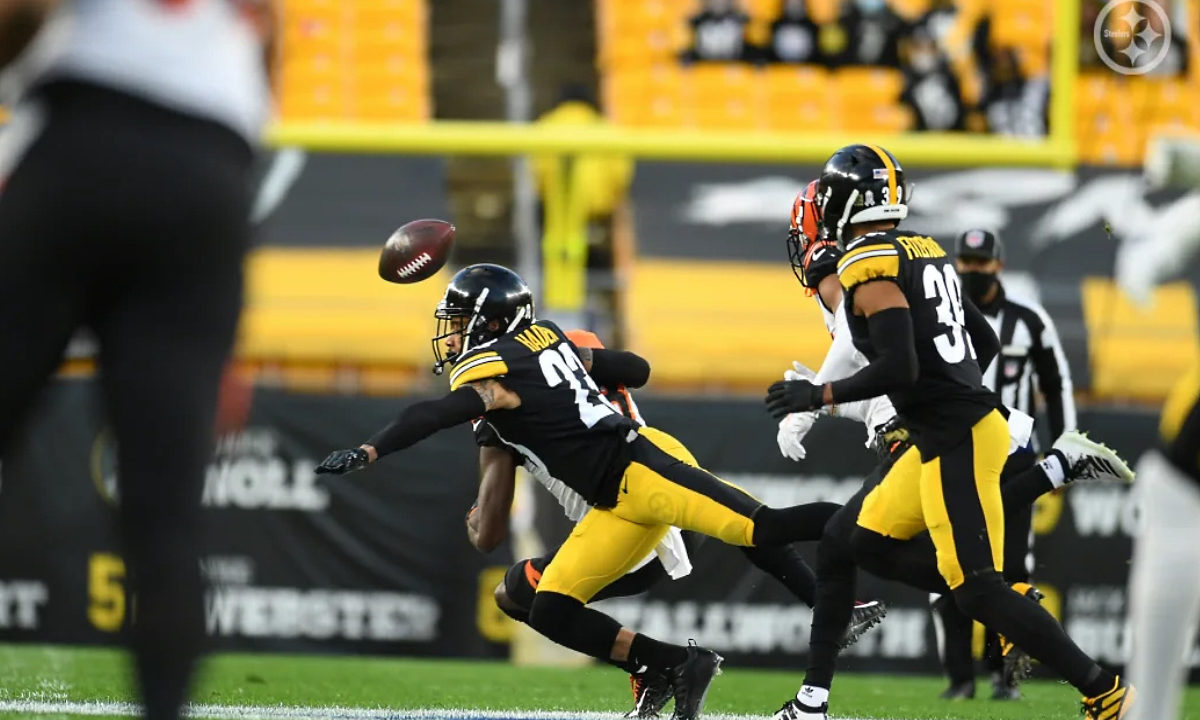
{"x": 124, "y": 209}
{"x": 1031, "y": 359}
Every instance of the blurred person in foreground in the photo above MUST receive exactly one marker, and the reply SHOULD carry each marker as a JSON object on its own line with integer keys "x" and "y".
{"x": 1164, "y": 585}
{"x": 124, "y": 210}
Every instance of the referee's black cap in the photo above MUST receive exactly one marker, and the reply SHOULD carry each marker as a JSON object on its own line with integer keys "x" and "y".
{"x": 979, "y": 245}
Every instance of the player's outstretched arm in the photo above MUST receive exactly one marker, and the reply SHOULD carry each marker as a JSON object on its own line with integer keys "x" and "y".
{"x": 895, "y": 365}
{"x": 487, "y": 523}
{"x": 420, "y": 420}
{"x": 611, "y": 368}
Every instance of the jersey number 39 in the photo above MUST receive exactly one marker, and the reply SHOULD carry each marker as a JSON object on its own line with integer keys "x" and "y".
{"x": 559, "y": 365}
{"x": 942, "y": 285}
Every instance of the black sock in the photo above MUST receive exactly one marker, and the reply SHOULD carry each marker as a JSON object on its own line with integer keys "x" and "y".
{"x": 784, "y": 563}
{"x": 654, "y": 654}
{"x": 567, "y": 622}
{"x": 836, "y": 579}
{"x": 779, "y": 526}
{"x": 1022, "y": 489}
{"x": 1025, "y": 623}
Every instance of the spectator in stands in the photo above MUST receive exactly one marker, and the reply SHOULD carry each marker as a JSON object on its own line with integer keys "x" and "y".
{"x": 793, "y": 35}
{"x": 1013, "y": 104}
{"x": 867, "y": 32}
{"x": 719, "y": 33}
{"x": 931, "y": 89}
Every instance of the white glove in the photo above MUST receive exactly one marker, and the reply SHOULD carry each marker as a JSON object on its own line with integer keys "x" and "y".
{"x": 799, "y": 372}
{"x": 792, "y": 430}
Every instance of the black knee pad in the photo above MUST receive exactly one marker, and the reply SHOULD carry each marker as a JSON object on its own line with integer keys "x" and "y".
{"x": 553, "y": 614}
{"x": 976, "y": 596}
{"x": 520, "y": 584}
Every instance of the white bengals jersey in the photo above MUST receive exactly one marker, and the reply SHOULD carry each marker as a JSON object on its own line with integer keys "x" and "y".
{"x": 198, "y": 57}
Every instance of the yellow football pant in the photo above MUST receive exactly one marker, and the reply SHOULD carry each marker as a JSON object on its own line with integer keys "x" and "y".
{"x": 663, "y": 486}
{"x": 956, "y": 496}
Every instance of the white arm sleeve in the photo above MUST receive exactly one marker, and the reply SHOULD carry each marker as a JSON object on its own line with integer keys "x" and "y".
{"x": 842, "y": 361}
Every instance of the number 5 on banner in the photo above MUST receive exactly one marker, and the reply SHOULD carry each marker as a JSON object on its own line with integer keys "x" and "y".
{"x": 106, "y": 591}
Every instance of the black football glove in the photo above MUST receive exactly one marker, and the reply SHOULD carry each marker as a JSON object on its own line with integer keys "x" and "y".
{"x": 340, "y": 462}
{"x": 891, "y": 441}
{"x": 791, "y": 396}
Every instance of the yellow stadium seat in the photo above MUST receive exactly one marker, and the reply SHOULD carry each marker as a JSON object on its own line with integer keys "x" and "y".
{"x": 389, "y": 103}
{"x": 700, "y": 339}
{"x": 1138, "y": 352}
{"x": 320, "y": 103}
{"x": 328, "y": 305}
{"x": 889, "y": 118}
{"x": 1093, "y": 90}
{"x": 716, "y": 79}
{"x": 1113, "y": 148}
{"x": 796, "y": 81}
{"x": 803, "y": 115}
{"x": 910, "y": 9}
{"x": 884, "y": 84}
{"x": 1020, "y": 26}
{"x": 730, "y": 114}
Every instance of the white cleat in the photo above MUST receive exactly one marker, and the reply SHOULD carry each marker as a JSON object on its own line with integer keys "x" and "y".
{"x": 1087, "y": 460}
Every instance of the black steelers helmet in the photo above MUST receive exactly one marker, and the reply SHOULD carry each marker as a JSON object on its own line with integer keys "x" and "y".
{"x": 861, "y": 183}
{"x": 482, "y": 302}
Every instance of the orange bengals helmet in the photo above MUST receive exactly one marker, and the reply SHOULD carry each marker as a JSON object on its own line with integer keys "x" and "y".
{"x": 812, "y": 254}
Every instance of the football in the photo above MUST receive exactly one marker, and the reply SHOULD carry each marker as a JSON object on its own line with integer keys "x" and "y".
{"x": 416, "y": 251}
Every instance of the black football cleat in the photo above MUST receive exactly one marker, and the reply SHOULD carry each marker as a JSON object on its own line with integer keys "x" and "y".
{"x": 865, "y": 616}
{"x": 690, "y": 680}
{"x": 651, "y": 691}
{"x": 964, "y": 690}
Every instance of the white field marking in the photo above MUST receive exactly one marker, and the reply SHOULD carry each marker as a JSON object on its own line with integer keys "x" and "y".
{"x": 280, "y": 712}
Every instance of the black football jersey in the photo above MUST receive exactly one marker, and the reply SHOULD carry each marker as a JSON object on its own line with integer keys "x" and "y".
{"x": 563, "y": 424}
{"x": 949, "y": 396}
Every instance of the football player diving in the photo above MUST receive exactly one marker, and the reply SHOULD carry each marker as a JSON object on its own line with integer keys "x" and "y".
{"x": 487, "y": 525}
{"x": 538, "y": 391}
{"x": 814, "y": 258}
{"x": 904, "y": 309}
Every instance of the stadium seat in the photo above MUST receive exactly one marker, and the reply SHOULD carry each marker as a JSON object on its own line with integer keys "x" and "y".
{"x": 328, "y": 306}
{"x": 364, "y": 60}
{"x": 875, "y": 83}
{"x": 701, "y": 339}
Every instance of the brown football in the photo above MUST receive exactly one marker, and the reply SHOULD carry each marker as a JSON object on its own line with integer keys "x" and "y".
{"x": 416, "y": 251}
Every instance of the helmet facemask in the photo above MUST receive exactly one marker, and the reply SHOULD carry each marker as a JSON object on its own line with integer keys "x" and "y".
{"x": 472, "y": 326}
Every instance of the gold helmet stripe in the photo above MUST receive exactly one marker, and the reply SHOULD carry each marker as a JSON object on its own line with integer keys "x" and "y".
{"x": 891, "y": 171}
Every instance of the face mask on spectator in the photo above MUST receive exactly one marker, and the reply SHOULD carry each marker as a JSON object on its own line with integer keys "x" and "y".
{"x": 923, "y": 61}
{"x": 870, "y": 6}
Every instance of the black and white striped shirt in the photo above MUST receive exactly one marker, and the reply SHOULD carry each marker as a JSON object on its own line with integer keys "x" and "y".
{"x": 1029, "y": 348}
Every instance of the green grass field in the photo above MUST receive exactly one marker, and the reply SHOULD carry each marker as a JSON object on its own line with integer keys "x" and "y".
{"x": 43, "y": 682}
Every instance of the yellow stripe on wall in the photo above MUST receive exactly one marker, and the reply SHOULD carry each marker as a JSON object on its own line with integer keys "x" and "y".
{"x": 1139, "y": 353}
